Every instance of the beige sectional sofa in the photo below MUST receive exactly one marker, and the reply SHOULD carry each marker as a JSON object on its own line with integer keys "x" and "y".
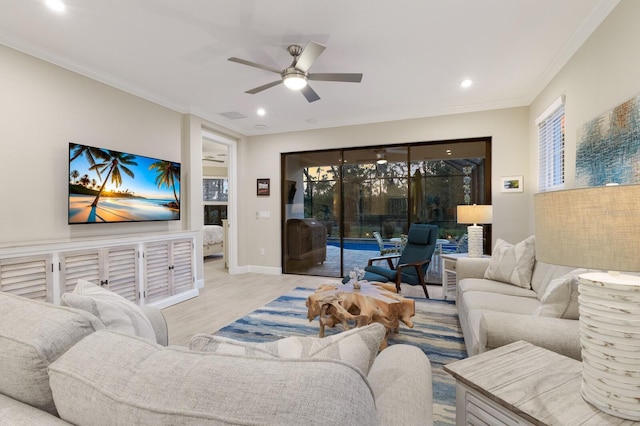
{"x": 85, "y": 366}
{"x": 513, "y": 297}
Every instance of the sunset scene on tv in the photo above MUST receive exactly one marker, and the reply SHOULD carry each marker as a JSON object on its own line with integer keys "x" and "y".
{"x": 112, "y": 186}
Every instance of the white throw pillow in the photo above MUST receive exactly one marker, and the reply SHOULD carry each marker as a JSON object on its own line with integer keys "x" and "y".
{"x": 224, "y": 345}
{"x": 556, "y": 298}
{"x": 357, "y": 347}
{"x": 572, "y": 311}
{"x": 512, "y": 264}
{"x": 560, "y": 299}
{"x": 115, "y": 312}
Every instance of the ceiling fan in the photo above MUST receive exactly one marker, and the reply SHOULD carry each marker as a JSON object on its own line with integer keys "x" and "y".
{"x": 296, "y": 75}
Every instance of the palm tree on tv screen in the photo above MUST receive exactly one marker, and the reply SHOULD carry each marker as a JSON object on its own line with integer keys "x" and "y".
{"x": 167, "y": 175}
{"x": 90, "y": 153}
{"x": 115, "y": 162}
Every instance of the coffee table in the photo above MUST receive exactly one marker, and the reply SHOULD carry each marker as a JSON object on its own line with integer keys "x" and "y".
{"x": 373, "y": 302}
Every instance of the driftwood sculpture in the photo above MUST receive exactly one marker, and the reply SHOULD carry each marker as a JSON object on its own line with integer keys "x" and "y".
{"x": 342, "y": 304}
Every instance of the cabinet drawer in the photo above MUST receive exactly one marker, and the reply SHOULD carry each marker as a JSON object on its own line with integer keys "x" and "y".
{"x": 450, "y": 265}
{"x": 481, "y": 411}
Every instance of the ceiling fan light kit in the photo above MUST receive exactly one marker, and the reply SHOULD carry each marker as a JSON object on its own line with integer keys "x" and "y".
{"x": 294, "y": 79}
{"x": 296, "y": 76}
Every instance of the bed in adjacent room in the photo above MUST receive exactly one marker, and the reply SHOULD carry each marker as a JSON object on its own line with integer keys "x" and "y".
{"x": 213, "y": 240}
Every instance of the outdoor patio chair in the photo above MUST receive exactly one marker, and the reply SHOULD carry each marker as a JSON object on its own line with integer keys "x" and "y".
{"x": 412, "y": 263}
{"x": 385, "y": 248}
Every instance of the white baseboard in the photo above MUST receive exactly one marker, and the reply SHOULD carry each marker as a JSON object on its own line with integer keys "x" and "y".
{"x": 172, "y": 300}
{"x": 200, "y": 283}
{"x": 269, "y": 270}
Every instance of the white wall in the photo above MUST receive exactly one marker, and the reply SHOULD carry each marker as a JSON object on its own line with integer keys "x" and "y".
{"x": 43, "y": 108}
{"x": 604, "y": 73}
{"x": 261, "y": 159}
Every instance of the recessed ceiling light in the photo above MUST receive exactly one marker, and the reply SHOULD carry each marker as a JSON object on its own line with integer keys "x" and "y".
{"x": 466, "y": 83}
{"x": 56, "y": 5}
{"x": 261, "y": 111}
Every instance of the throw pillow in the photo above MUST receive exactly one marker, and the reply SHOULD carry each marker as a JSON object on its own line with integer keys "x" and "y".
{"x": 560, "y": 299}
{"x": 572, "y": 311}
{"x": 556, "y": 298}
{"x": 223, "y": 345}
{"x": 115, "y": 312}
{"x": 512, "y": 264}
{"x": 357, "y": 347}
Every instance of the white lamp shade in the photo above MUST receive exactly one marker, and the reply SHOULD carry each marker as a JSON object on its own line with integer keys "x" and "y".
{"x": 475, "y": 214}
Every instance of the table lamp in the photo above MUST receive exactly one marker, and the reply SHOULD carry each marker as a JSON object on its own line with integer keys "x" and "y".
{"x": 475, "y": 214}
{"x": 599, "y": 228}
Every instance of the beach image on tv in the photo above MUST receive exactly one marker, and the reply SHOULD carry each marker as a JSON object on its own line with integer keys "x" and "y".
{"x": 111, "y": 186}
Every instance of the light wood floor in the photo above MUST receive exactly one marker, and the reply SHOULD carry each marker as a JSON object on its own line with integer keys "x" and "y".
{"x": 226, "y": 298}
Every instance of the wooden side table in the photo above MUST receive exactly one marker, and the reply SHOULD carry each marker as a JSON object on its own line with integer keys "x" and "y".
{"x": 523, "y": 384}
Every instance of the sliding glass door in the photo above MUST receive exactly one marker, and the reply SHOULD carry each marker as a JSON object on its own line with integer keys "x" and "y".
{"x": 334, "y": 201}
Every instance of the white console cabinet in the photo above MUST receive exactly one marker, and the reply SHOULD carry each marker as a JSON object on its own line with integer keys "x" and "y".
{"x": 155, "y": 269}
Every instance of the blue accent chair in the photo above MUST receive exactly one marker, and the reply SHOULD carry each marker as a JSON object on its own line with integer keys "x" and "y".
{"x": 412, "y": 263}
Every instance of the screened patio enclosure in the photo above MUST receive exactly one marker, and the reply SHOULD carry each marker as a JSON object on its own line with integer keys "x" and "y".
{"x": 334, "y": 200}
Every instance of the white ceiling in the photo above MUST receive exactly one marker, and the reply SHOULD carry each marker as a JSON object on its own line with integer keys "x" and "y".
{"x": 413, "y": 53}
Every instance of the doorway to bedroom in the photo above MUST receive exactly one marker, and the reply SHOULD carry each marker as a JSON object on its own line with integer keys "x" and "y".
{"x": 215, "y": 196}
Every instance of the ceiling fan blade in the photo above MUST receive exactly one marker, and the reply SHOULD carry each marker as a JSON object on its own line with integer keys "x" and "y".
{"x": 263, "y": 87}
{"x": 344, "y": 77}
{"x": 309, "y": 55}
{"x": 253, "y": 64}
{"x": 309, "y": 93}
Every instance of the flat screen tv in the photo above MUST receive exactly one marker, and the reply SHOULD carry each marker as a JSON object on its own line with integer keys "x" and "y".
{"x": 107, "y": 186}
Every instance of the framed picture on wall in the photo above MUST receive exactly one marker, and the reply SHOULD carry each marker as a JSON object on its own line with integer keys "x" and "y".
{"x": 511, "y": 184}
{"x": 263, "y": 187}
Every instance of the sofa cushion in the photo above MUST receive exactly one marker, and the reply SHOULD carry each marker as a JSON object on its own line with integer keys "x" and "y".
{"x": 116, "y": 312}
{"x": 499, "y": 302}
{"x": 34, "y": 334}
{"x": 109, "y": 375}
{"x": 490, "y": 286}
{"x": 14, "y": 412}
{"x": 512, "y": 264}
{"x": 358, "y": 346}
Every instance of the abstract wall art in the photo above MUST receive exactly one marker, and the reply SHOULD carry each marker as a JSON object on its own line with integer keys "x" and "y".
{"x": 608, "y": 149}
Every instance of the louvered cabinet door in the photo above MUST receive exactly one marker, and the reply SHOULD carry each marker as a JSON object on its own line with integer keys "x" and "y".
{"x": 157, "y": 270}
{"x": 29, "y": 277}
{"x": 77, "y": 265}
{"x": 182, "y": 267}
{"x": 121, "y": 271}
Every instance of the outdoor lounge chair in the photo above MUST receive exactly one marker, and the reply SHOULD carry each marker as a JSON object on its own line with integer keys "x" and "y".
{"x": 412, "y": 263}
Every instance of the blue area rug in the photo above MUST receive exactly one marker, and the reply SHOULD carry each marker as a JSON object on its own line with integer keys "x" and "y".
{"x": 436, "y": 331}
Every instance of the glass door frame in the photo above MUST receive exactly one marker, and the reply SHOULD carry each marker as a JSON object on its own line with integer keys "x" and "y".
{"x": 482, "y": 193}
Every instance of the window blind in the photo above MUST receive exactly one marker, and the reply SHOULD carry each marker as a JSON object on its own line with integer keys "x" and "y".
{"x": 551, "y": 147}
